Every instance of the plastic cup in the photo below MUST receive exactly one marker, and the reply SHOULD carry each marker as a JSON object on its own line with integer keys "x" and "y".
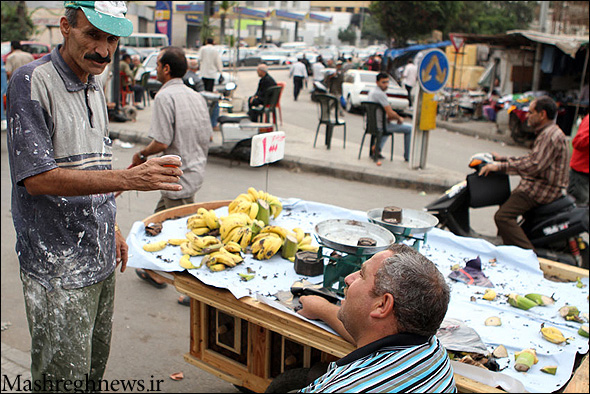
{"x": 170, "y": 165}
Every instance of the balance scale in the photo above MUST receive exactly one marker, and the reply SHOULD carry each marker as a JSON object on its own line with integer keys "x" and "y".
{"x": 342, "y": 236}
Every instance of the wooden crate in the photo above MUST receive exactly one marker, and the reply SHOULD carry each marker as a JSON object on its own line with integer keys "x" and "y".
{"x": 248, "y": 343}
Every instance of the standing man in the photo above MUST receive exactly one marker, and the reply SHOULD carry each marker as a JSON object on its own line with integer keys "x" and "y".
{"x": 211, "y": 65}
{"x": 318, "y": 69}
{"x": 299, "y": 74}
{"x": 377, "y": 95}
{"x": 410, "y": 77}
{"x": 63, "y": 205}
{"x": 578, "y": 186}
{"x": 254, "y": 102}
{"x": 180, "y": 126}
{"x": 393, "y": 307}
{"x": 335, "y": 79}
{"x": 17, "y": 58}
{"x": 543, "y": 172}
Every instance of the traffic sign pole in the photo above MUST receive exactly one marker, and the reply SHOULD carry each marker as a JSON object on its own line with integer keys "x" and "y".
{"x": 433, "y": 73}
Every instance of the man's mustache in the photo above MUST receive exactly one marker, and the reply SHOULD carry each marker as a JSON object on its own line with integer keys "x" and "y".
{"x": 97, "y": 58}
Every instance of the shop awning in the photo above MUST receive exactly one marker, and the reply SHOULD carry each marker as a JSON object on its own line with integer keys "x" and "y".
{"x": 287, "y": 16}
{"x": 395, "y": 52}
{"x": 193, "y": 8}
{"x": 517, "y": 38}
{"x": 312, "y": 17}
{"x": 251, "y": 13}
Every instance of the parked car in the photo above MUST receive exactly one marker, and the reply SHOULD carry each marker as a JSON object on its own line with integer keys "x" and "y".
{"x": 37, "y": 49}
{"x": 273, "y": 56}
{"x": 357, "y": 84}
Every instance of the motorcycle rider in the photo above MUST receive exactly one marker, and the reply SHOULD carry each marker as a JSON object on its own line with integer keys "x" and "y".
{"x": 544, "y": 172}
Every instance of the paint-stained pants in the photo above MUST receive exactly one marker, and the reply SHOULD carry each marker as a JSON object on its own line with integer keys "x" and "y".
{"x": 70, "y": 332}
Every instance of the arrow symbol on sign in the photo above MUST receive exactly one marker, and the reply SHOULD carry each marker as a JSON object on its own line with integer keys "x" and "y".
{"x": 440, "y": 74}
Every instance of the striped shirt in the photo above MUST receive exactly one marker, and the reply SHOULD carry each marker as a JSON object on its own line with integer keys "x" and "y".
{"x": 55, "y": 120}
{"x": 544, "y": 171}
{"x": 397, "y": 363}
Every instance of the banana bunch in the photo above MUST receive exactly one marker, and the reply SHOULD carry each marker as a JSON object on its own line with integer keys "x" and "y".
{"x": 304, "y": 240}
{"x": 268, "y": 241}
{"x": 552, "y": 334}
{"x": 257, "y": 204}
{"x": 203, "y": 222}
{"x": 223, "y": 258}
{"x": 237, "y": 228}
{"x": 194, "y": 245}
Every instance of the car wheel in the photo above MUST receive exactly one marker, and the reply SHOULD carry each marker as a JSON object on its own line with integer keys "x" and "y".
{"x": 349, "y": 106}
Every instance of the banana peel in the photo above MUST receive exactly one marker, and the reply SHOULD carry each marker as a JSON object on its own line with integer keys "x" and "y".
{"x": 570, "y": 313}
{"x": 500, "y": 352}
{"x": 493, "y": 321}
{"x": 521, "y": 302}
{"x": 550, "y": 369}
{"x": 541, "y": 299}
{"x": 583, "y": 330}
{"x": 489, "y": 295}
{"x": 525, "y": 359}
{"x": 552, "y": 334}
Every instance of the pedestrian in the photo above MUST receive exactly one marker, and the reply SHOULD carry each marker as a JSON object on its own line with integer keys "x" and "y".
{"x": 211, "y": 66}
{"x": 334, "y": 80}
{"x": 393, "y": 307}
{"x": 63, "y": 205}
{"x": 16, "y": 58}
{"x": 318, "y": 69}
{"x": 299, "y": 74}
{"x": 257, "y": 101}
{"x": 129, "y": 81}
{"x": 378, "y": 95}
{"x": 544, "y": 172}
{"x": 410, "y": 76}
{"x": 180, "y": 126}
{"x": 578, "y": 183}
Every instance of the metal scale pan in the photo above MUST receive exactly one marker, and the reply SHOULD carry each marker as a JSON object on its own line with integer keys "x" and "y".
{"x": 413, "y": 222}
{"x": 343, "y": 235}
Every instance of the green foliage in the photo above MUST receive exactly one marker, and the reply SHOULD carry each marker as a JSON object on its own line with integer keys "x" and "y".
{"x": 16, "y": 22}
{"x": 413, "y": 20}
{"x": 372, "y": 30}
{"x": 348, "y": 35}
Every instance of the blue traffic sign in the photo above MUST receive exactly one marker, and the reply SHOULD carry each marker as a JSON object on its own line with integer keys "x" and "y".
{"x": 433, "y": 71}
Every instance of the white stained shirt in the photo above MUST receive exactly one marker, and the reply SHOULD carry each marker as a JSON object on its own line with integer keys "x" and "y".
{"x": 210, "y": 62}
{"x": 298, "y": 70}
{"x": 410, "y": 74}
{"x": 317, "y": 69}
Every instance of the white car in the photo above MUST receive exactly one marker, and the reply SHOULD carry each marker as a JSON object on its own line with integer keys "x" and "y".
{"x": 357, "y": 84}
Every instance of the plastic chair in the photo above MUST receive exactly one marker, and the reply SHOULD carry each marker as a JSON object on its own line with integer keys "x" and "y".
{"x": 372, "y": 111}
{"x": 125, "y": 89}
{"x": 282, "y": 85}
{"x": 144, "y": 84}
{"x": 270, "y": 105}
{"x": 329, "y": 117}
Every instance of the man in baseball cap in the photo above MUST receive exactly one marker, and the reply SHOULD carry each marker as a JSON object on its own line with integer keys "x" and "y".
{"x": 108, "y": 16}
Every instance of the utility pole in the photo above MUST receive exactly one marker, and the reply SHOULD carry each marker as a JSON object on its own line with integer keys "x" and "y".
{"x": 539, "y": 49}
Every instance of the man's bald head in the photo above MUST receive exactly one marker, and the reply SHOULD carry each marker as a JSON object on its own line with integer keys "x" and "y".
{"x": 262, "y": 70}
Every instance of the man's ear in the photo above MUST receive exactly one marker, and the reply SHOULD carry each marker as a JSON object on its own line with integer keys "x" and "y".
{"x": 64, "y": 26}
{"x": 383, "y": 306}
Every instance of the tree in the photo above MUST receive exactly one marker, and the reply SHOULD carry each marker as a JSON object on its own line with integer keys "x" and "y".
{"x": 224, "y": 9}
{"x": 371, "y": 30}
{"x": 348, "y": 35}
{"x": 16, "y": 21}
{"x": 405, "y": 20}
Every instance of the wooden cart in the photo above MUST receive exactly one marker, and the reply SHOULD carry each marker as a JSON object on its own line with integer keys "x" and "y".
{"x": 248, "y": 343}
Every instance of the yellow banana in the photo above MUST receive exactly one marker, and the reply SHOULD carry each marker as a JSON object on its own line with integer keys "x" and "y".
{"x": 308, "y": 248}
{"x": 217, "y": 267}
{"x": 185, "y": 262}
{"x": 197, "y": 242}
{"x": 244, "y": 207}
{"x": 306, "y": 240}
{"x": 211, "y": 219}
{"x": 191, "y": 236}
{"x": 176, "y": 241}
{"x": 196, "y": 223}
{"x": 201, "y": 230}
{"x": 201, "y": 211}
{"x": 552, "y": 334}
{"x": 265, "y": 235}
{"x": 270, "y": 247}
{"x": 245, "y": 197}
{"x": 155, "y": 246}
{"x": 253, "y": 193}
{"x": 209, "y": 240}
{"x": 299, "y": 234}
{"x": 280, "y": 231}
{"x": 186, "y": 248}
{"x": 223, "y": 258}
{"x": 245, "y": 241}
{"x": 254, "y": 207}
{"x": 233, "y": 247}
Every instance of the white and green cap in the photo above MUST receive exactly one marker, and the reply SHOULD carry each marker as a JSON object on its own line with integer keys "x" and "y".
{"x": 108, "y": 16}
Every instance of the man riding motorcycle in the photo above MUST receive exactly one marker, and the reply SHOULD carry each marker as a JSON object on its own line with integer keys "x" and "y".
{"x": 544, "y": 172}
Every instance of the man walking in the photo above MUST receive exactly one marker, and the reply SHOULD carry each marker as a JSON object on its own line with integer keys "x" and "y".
{"x": 299, "y": 74}
{"x": 16, "y": 58}
{"x": 410, "y": 77}
{"x": 211, "y": 65}
{"x": 63, "y": 205}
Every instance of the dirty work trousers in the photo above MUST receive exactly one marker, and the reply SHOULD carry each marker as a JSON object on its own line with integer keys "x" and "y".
{"x": 70, "y": 333}
{"x": 506, "y": 220}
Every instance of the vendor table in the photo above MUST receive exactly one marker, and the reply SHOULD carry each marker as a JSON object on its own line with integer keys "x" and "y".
{"x": 249, "y": 343}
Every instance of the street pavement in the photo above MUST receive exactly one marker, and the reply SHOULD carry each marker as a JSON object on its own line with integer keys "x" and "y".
{"x": 451, "y": 144}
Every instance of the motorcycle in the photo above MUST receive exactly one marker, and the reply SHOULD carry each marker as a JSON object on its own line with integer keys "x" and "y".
{"x": 520, "y": 131}
{"x": 554, "y": 229}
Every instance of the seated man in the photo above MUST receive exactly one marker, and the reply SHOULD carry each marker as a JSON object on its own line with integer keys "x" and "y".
{"x": 266, "y": 81}
{"x": 378, "y": 95}
{"x": 544, "y": 172}
{"x": 393, "y": 307}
